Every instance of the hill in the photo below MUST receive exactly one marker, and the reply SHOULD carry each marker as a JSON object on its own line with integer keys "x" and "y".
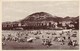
{"x": 43, "y": 16}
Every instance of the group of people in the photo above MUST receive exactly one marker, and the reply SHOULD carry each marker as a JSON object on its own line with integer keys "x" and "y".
{"x": 47, "y": 38}
{"x": 64, "y": 37}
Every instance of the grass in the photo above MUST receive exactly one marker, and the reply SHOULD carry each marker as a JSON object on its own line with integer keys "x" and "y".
{"x": 36, "y": 44}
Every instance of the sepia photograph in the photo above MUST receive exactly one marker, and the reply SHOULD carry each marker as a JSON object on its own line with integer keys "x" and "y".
{"x": 40, "y": 25}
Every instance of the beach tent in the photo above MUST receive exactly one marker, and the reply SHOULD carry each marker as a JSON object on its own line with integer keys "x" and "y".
{"x": 30, "y": 39}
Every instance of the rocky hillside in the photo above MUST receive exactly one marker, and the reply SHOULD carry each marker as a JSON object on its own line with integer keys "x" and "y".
{"x": 43, "y": 16}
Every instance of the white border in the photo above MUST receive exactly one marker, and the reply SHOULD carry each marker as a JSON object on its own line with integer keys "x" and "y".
{"x": 28, "y": 0}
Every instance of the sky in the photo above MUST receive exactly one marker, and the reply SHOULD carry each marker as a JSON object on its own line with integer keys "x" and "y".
{"x": 17, "y": 10}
